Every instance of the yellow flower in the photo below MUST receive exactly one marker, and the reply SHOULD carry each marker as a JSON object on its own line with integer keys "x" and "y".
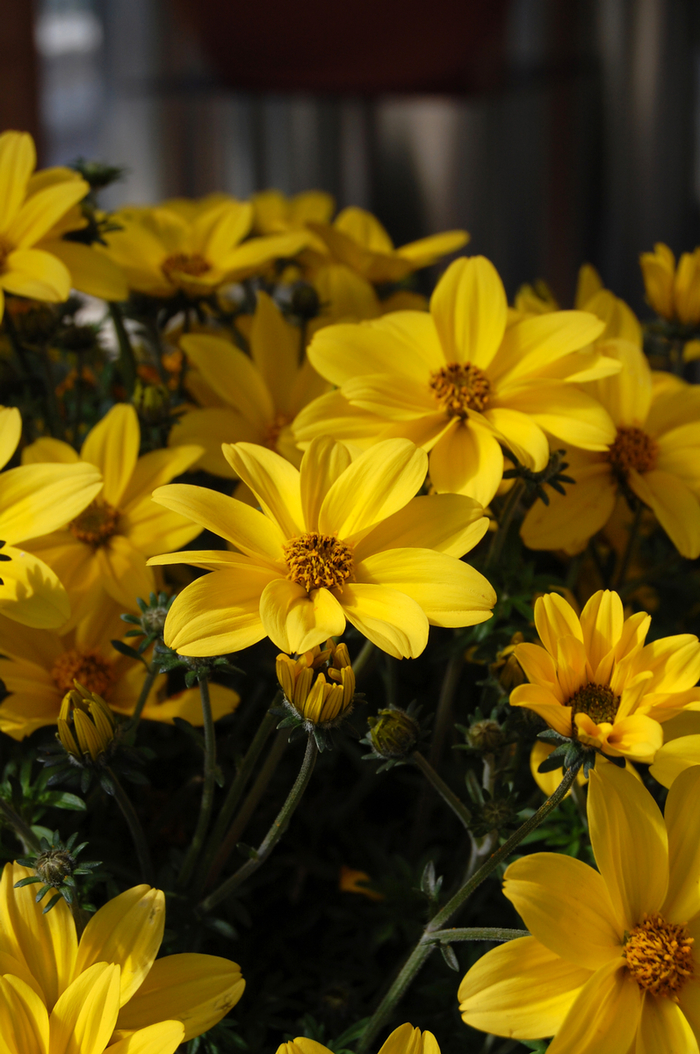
{"x": 458, "y": 382}
{"x": 26, "y": 218}
{"x": 275, "y": 214}
{"x": 337, "y": 539}
{"x": 247, "y": 398}
{"x": 673, "y": 292}
{"x": 357, "y": 239}
{"x": 43, "y": 951}
{"x": 39, "y": 666}
{"x": 310, "y": 695}
{"x": 104, "y": 549}
{"x": 595, "y": 680}
{"x": 403, "y": 1040}
{"x": 85, "y": 725}
{"x": 169, "y": 249}
{"x": 655, "y": 452}
{"x": 612, "y": 965}
{"x": 34, "y": 500}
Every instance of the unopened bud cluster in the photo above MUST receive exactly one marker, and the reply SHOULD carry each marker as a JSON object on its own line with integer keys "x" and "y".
{"x": 319, "y": 685}
{"x": 86, "y": 727}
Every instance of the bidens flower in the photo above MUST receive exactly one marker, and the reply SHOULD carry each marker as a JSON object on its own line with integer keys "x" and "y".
{"x": 613, "y": 957}
{"x": 338, "y": 539}
{"x": 459, "y": 382}
{"x": 673, "y": 292}
{"x": 595, "y": 681}
{"x": 403, "y": 1040}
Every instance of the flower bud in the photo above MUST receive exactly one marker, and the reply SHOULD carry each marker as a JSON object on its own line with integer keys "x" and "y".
{"x": 151, "y": 401}
{"x": 319, "y": 686}
{"x": 305, "y": 302}
{"x": 393, "y": 733}
{"x": 486, "y": 736}
{"x": 86, "y": 726}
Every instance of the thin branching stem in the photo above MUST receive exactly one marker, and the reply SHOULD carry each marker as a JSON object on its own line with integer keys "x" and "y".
{"x": 208, "y": 788}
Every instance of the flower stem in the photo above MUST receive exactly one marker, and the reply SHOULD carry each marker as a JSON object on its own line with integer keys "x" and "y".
{"x": 629, "y": 548}
{"x": 478, "y": 933}
{"x": 235, "y": 791}
{"x": 133, "y": 721}
{"x": 21, "y": 828}
{"x": 363, "y": 659}
{"x": 510, "y": 504}
{"x": 127, "y": 359}
{"x": 273, "y": 835}
{"x": 208, "y": 788}
{"x": 137, "y": 833}
{"x": 458, "y": 807}
{"x": 428, "y": 940}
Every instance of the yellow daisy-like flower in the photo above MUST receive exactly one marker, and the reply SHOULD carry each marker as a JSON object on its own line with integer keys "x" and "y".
{"x": 169, "y": 249}
{"x": 458, "y": 381}
{"x": 39, "y": 667}
{"x": 104, "y": 548}
{"x": 247, "y": 398}
{"x": 655, "y": 454}
{"x": 276, "y": 214}
{"x": 403, "y": 1040}
{"x": 673, "y": 292}
{"x": 26, "y": 217}
{"x": 337, "y": 539}
{"x": 34, "y": 500}
{"x": 595, "y": 680}
{"x": 359, "y": 241}
{"x": 612, "y": 965}
{"x": 124, "y": 936}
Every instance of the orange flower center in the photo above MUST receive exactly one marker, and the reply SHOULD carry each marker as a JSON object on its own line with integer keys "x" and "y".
{"x": 460, "y": 387}
{"x": 318, "y": 560}
{"x": 184, "y": 263}
{"x": 597, "y": 700}
{"x": 96, "y": 524}
{"x": 94, "y": 672}
{"x": 632, "y": 449}
{"x": 272, "y": 432}
{"x": 659, "y": 955}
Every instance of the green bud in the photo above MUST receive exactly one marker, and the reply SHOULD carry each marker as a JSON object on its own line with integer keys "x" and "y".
{"x": 486, "y": 736}
{"x": 393, "y": 733}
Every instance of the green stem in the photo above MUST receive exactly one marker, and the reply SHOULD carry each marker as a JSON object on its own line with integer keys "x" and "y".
{"x": 443, "y": 715}
{"x": 363, "y": 659}
{"x": 249, "y": 806}
{"x": 458, "y": 807}
{"x": 52, "y": 411}
{"x": 235, "y": 791}
{"x": 273, "y": 835}
{"x": 127, "y": 359}
{"x": 21, "y": 828}
{"x": 427, "y": 941}
{"x": 208, "y": 788}
{"x": 137, "y": 833}
{"x": 148, "y": 682}
{"x": 478, "y": 933}
{"x": 629, "y": 548}
{"x": 510, "y": 504}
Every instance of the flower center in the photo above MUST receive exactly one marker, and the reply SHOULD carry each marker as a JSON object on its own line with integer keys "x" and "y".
{"x": 460, "y": 387}
{"x": 318, "y": 560}
{"x": 632, "y": 448}
{"x": 96, "y": 524}
{"x": 597, "y": 700}
{"x": 184, "y": 263}
{"x": 659, "y": 955}
{"x": 272, "y": 432}
{"x": 94, "y": 672}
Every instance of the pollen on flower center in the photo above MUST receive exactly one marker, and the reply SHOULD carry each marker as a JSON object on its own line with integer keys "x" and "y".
{"x": 597, "y": 700}
{"x": 632, "y": 449}
{"x": 89, "y": 668}
{"x": 184, "y": 263}
{"x": 659, "y": 955}
{"x": 460, "y": 387}
{"x": 319, "y": 560}
{"x": 96, "y": 524}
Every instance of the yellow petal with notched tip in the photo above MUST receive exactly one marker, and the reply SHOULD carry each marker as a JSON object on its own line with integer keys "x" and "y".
{"x": 274, "y": 482}
{"x": 197, "y": 990}
{"x": 322, "y": 463}
{"x": 521, "y": 990}
{"x": 554, "y": 618}
{"x": 31, "y": 593}
{"x": 127, "y": 930}
{"x": 469, "y": 308}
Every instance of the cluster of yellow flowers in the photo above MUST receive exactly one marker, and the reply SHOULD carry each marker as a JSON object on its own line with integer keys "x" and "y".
{"x": 357, "y": 441}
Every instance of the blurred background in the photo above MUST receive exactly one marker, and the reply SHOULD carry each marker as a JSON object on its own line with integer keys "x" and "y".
{"x": 555, "y": 131}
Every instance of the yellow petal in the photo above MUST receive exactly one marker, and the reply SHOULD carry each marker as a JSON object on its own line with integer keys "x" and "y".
{"x": 123, "y": 571}
{"x": 469, "y": 307}
{"x": 467, "y": 459}
{"x": 91, "y": 272}
{"x": 555, "y": 618}
{"x": 276, "y": 350}
{"x": 17, "y": 161}
{"x": 187, "y": 705}
{"x": 544, "y": 703}
{"x": 218, "y": 613}
{"x": 629, "y": 842}
{"x": 46, "y": 449}
{"x": 31, "y": 593}
{"x": 113, "y": 447}
{"x": 84, "y": 1016}
{"x": 295, "y": 620}
{"x": 683, "y": 825}
{"x": 566, "y": 412}
{"x": 42, "y": 210}
{"x": 626, "y": 395}
{"x": 601, "y": 623}
{"x": 605, "y": 1017}
{"x": 232, "y": 376}
{"x": 155, "y": 469}
{"x": 450, "y": 592}
{"x": 247, "y": 258}
{"x": 378, "y": 483}
{"x": 538, "y": 665}
{"x": 127, "y": 930}
{"x": 197, "y": 990}
{"x": 572, "y": 518}
{"x": 10, "y": 432}
{"x": 674, "y": 758}
{"x": 249, "y": 530}
{"x": 540, "y": 886}
{"x": 36, "y": 274}
{"x": 448, "y": 523}
{"x": 162, "y": 1038}
{"x": 321, "y": 465}
{"x": 274, "y": 482}
{"x": 427, "y": 250}
{"x": 521, "y": 990}
{"x": 664, "y": 1027}
{"x": 390, "y": 619}
{"x": 397, "y": 398}
{"x": 588, "y": 284}
{"x": 37, "y": 499}
{"x": 331, "y": 414}
{"x": 675, "y": 506}
{"x": 24, "y": 1022}
{"x": 533, "y": 343}
{"x": 404, "y": 343}
{"x": 522, "y": 436}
